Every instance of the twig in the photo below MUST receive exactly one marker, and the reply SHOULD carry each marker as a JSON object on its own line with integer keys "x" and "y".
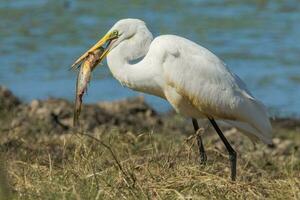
{"x": 107, "y": 147}
{"x": 127, "y": 176}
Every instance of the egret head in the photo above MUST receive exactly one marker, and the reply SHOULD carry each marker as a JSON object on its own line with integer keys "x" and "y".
{"x": 123, "y": 30}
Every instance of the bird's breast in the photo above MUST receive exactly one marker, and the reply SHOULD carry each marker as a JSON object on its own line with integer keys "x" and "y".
{"x": 181, "y": 104}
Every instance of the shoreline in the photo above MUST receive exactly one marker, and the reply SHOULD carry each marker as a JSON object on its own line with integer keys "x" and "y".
{"x": 62, "y": 110}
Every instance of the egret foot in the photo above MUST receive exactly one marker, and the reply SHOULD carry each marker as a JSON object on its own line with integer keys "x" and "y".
{"x": 231, "y": 151}
{"x": 203, "y": 157}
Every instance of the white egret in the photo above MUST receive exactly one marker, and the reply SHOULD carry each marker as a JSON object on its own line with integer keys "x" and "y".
{"x": 191, "y": 78}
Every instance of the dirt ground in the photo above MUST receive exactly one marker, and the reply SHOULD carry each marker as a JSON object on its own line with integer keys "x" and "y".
{"x": 126, "y": 150}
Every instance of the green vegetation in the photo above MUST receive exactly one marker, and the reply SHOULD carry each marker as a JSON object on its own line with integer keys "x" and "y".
{"x": 108, "y": 164}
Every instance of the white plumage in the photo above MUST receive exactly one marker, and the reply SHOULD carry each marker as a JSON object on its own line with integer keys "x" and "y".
{"x": 195, "y": 81}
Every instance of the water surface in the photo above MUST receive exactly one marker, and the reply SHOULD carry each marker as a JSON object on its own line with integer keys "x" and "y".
{"x": 259, "y": 40}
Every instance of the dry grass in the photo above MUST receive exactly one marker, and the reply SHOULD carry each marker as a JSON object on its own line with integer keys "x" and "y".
{"x": 151, "y": 165}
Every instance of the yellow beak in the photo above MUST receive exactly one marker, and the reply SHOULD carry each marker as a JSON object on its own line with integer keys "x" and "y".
{"x": 107, "y": 38}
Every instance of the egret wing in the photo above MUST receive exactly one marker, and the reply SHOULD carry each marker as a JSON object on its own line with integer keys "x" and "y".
{"x": 202, "y": 78}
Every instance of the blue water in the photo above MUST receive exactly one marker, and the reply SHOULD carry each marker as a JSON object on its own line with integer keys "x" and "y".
{"x": 259, "y": 40}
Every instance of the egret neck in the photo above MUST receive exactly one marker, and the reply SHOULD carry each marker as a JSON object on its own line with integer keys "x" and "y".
{"x": 138, "y": 76}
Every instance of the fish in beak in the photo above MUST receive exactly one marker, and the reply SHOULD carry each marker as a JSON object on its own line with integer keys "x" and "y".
{"x": 83, "y": 79}
{"x": 87, "y": 62}
{"x": 107, "y": 39}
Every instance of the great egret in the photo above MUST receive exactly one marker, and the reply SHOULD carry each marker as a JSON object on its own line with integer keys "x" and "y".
{"x": 192, "y": 79}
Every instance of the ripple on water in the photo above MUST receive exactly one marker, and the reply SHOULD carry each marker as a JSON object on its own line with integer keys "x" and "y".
{"x": 257, "y": 39}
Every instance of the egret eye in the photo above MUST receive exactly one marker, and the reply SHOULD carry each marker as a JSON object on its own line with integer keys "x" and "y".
{"x": 115, "y": 33}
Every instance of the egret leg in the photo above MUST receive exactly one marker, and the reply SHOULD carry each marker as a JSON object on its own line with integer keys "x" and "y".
{"x": 203, "y": 157}
{"x": 231, "y": 151}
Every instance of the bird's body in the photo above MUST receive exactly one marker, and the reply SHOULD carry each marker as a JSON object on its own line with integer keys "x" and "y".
{"x": 191, "y": 78}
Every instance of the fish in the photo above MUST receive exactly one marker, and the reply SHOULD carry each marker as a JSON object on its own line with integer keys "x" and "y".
{"x": 83, "y": 79}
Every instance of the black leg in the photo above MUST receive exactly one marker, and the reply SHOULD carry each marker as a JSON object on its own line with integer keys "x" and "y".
{"x": 203, "y": 157}
{"x": 231, "y": 152}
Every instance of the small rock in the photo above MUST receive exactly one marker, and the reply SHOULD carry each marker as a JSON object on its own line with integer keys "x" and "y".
{"x": 7, "y": 100}
{"x": 34, "y": 104}
{"x": 284, "y": 145}
{"x": 276, "y": 141}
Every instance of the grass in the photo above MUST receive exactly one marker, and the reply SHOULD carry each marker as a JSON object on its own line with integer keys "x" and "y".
{"x": 147, "y": 165}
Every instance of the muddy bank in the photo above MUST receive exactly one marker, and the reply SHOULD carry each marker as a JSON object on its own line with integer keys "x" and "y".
{"x": 54, "y": 116}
